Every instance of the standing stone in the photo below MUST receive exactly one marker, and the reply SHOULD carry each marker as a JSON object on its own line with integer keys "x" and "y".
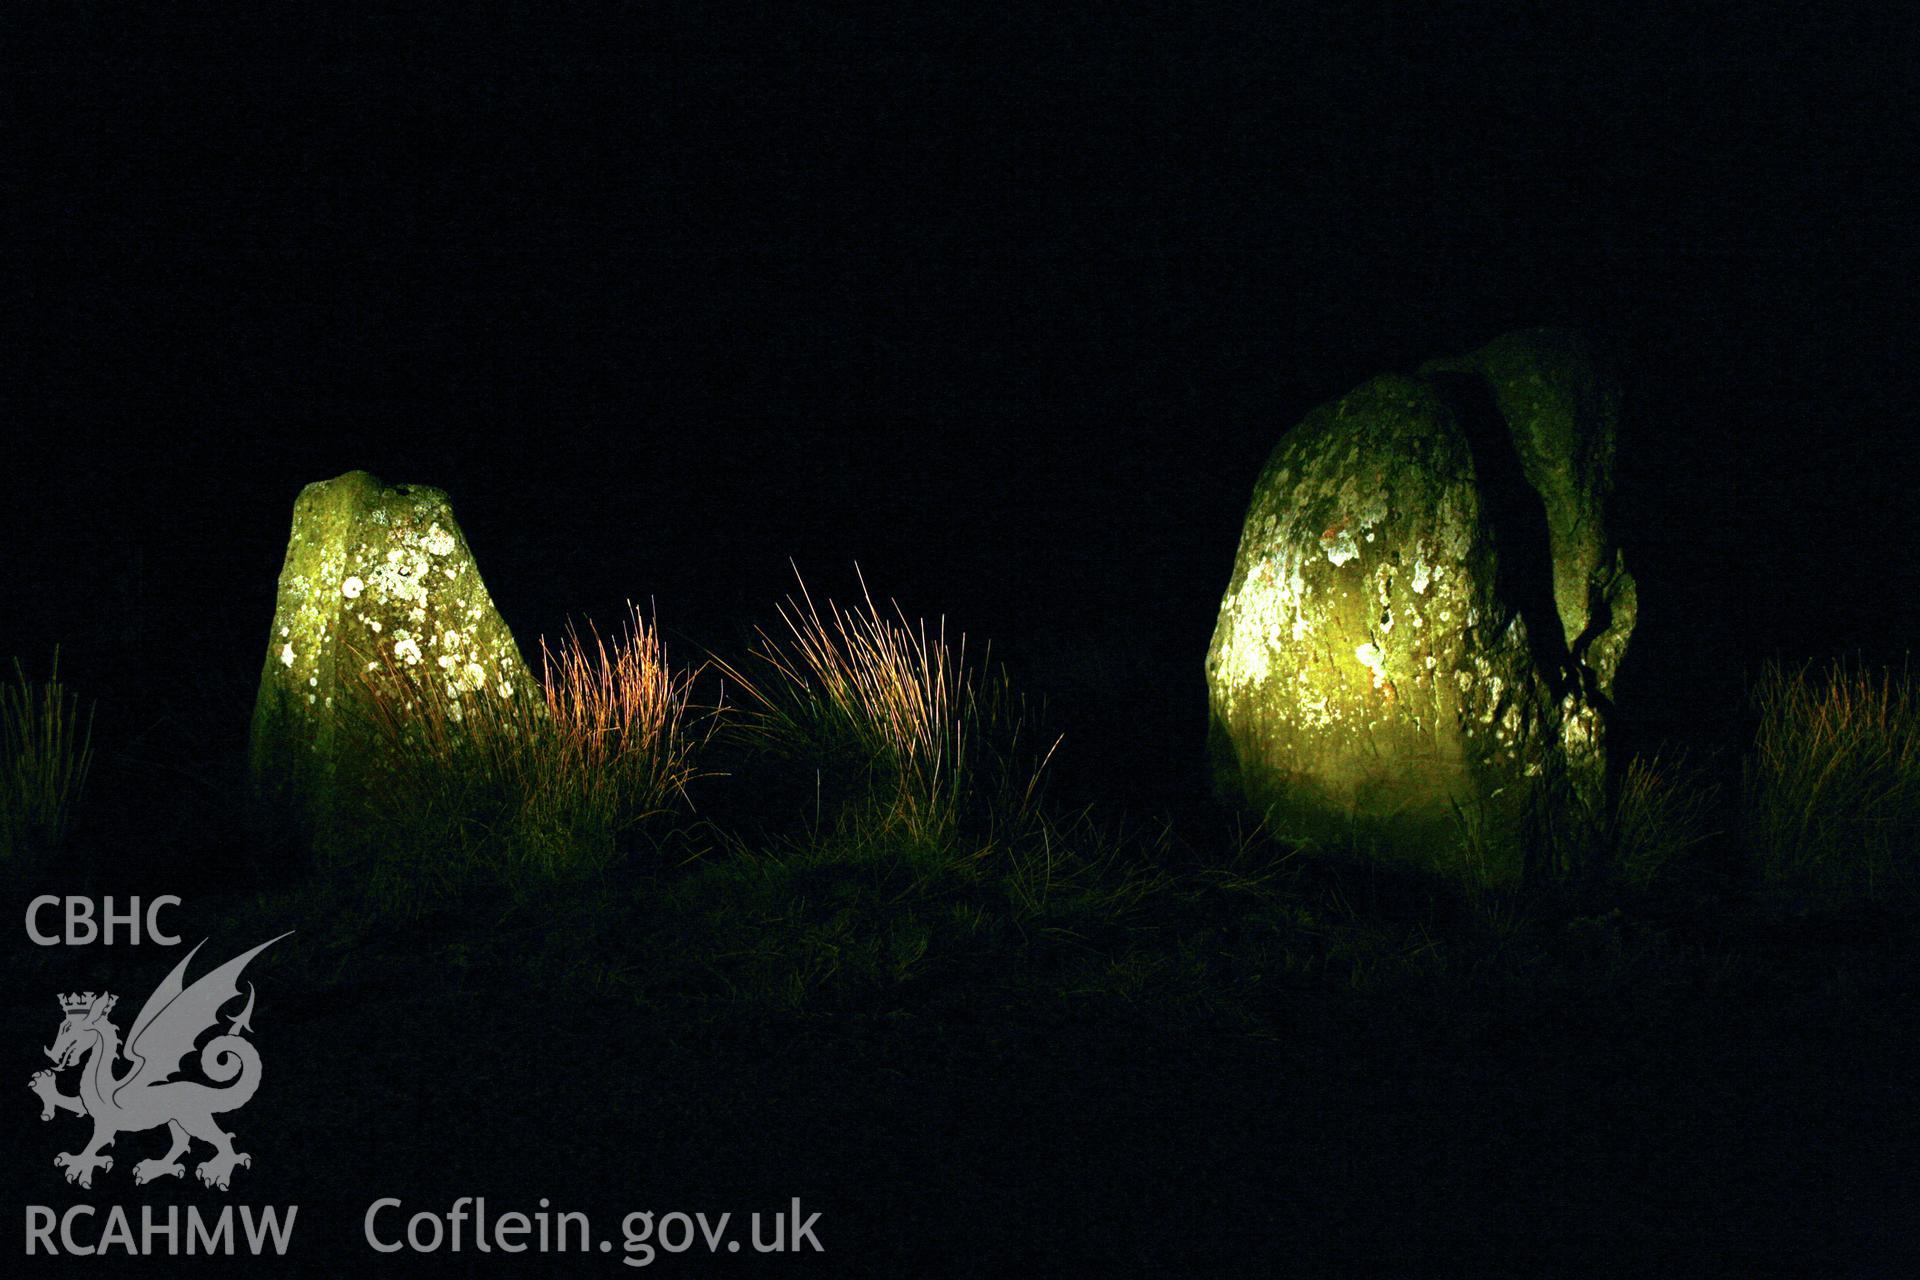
{"x": 378, "y": 586}
{"x": 1418, "y": 645}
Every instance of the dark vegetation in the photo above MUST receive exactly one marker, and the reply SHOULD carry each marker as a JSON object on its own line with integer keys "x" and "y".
{"x": 802, "y": 919}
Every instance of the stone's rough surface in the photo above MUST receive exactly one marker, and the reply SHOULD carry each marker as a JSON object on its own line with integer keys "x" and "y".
{"x": 378, "y": 585}
{"x": 1419, "y": 641}
{"x": 1562, "y": 419}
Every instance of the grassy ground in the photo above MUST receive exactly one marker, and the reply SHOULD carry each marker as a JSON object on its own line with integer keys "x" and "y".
{"x": 867, "y": 964}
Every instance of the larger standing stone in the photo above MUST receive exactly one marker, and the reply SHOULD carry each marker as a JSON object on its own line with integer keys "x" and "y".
{"x": 1418, "y": 644}
{"x": 378, "y": 584}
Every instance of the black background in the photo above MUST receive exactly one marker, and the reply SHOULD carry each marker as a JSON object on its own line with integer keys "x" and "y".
{"x": 1007, "y": 308}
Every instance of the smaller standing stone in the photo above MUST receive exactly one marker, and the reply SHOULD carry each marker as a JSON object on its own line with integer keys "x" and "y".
{"x": 378, "y": 583}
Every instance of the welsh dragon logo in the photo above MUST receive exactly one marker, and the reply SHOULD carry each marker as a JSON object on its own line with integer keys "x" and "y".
{"x": 146, "y": 1096}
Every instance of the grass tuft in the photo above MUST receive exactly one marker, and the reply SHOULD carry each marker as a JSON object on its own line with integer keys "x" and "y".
{"x": 894, "y": 716}
{"x": 622, "y": 735}
{"x": 46, "y": 752}
{"x": 1832, "y": 784}
{"x": 1661, "y": 813}
{"x": 472, "y": 782}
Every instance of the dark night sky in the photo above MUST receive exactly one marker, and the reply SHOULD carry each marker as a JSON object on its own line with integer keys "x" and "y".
{"x": 1008, "y": 309}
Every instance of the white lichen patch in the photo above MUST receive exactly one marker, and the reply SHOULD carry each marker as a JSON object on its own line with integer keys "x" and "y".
{"x": 1370, "y": 657}
{"x": 1268, "y": 613}
{"x": 399, "y": 578}
{"x": 286, "y": 654}
{"x": 352, "y": 587}
{"x": 438, "y": 541}
{"x": 1339, "y": 546}
{"x": 1246, "y": 658}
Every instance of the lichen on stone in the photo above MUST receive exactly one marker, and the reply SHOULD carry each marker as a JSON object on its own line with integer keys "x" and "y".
{"x": 1367, "y": 664}
{"x": 375, "y": 580}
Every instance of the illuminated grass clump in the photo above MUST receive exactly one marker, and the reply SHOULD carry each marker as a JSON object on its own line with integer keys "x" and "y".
{"x": 464, "y": 782}
{"x": 891, "y": 714}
